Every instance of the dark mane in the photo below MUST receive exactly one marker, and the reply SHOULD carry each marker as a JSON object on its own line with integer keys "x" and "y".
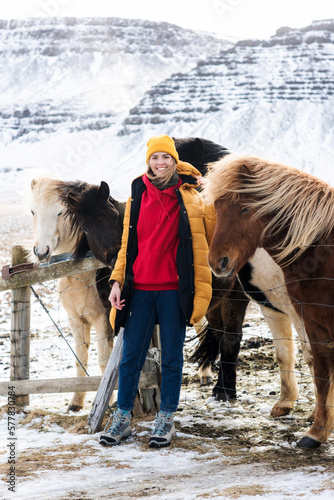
{"x": 199, "y": 152}
{"x": 86, "y": 205}
{"x": 73, "y": 189}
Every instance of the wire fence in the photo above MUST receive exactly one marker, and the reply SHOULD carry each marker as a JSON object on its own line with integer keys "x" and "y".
{"x": 53, "y": 354}
{"x": 52, "y": 345}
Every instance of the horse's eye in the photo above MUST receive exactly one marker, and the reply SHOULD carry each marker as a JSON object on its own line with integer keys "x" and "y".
{"x": 32, "y": 212}
{"x": 58, "y": 215}
{"x": 244, "y": 210}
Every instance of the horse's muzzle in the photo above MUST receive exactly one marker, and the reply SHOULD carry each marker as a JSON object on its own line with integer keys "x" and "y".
{"x": 222, "y": 269}
{"x": 110, "y": 257}
{"x": 42, "y": 254}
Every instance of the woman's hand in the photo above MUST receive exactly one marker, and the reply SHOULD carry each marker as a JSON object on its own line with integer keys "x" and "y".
{"x": 115, "y": 297}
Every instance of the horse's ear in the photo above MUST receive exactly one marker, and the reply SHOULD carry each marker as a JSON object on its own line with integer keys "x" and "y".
{"x": 72, "y": 201}
{"x": 33, "y": 183}
{"x": 104, "y": 191}
{"x": 199, "y": 146}
{"x": 245, "y": 170}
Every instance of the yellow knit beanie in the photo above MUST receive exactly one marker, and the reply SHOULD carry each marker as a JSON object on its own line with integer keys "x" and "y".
{"x": 161, "y": 143}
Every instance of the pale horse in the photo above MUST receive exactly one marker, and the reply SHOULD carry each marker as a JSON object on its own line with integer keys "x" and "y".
{"x": 53, "y": 234}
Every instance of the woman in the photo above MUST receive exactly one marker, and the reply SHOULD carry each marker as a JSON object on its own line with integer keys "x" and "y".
{"x": 164, "y": 276}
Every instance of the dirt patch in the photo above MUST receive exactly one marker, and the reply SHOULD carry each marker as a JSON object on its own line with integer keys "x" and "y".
{"x": 43, "y": 420}
{"x": 64, "y": 458}
{"x": 251, "y": 491}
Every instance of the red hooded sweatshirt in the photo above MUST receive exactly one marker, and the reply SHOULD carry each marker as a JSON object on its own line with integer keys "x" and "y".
{"x": 158, "y": 239}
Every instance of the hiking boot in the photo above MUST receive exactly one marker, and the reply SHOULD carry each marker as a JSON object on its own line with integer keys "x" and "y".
{"x": 119, "y": 429}
{"x": 164, "y": 430}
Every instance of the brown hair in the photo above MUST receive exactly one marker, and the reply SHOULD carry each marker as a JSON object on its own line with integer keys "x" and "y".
{"x": 163, "y": 179}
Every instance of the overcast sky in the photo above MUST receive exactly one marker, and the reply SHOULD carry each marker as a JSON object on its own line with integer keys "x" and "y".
{"x": 239, "y": 18}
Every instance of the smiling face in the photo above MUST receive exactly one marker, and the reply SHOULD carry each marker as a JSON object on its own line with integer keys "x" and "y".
{"x": 161, "y": 163}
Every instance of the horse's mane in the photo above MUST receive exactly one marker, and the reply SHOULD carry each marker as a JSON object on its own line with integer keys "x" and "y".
{"x": 81, "y": 197}
{"x": 48, "y": 189}
{"x": 296, "y": 201}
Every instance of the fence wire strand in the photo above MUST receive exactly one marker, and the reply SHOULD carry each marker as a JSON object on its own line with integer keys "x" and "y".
{"x": 254, "y": 369}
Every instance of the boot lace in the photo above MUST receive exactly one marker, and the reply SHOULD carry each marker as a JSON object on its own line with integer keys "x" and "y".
{"x": 117, "y": 422}
{"x": 161, "y": 425}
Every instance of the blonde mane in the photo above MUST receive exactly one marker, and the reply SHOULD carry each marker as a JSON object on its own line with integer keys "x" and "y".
{"x": 46, "y": 189}
{"x": 296, "y": 201}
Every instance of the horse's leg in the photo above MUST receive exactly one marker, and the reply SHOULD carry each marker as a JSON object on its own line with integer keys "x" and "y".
{"x": 206, "y": 352}
{"x": 74, "y": 301}
{"x": 222, "y": 335}
{"x": 205, "y": 368}
{"x": 225, "y": 388}
{"x": 212, "y": 343}
{"x": 205, "y": 374}
{"x": 281, "y": 330}
{"x": 232, "y": 311}
{"x": 81, "y": 334}
{"x": 323, "y": 356}
{"x": 307, "y": 353}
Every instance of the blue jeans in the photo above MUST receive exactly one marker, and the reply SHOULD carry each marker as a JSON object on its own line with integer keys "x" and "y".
{"x": 147, "y": 308}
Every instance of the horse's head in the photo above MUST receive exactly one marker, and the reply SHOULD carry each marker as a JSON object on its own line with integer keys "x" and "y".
{"x": 94, "y": 214}
{"x": 236, "y": 236}
{"x": 51, "y": 233}
{"x": 199, "y": 152}
{"x": 239, "y": 226}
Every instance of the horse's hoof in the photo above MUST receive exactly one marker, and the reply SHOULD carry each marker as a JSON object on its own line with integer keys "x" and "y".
{"x": 75, "y": 408}
{"x": 311, "y": 417}
{"x": 206, "y": 380}
{"x": 280, "y": 411}
{"x": 308, "y": 442}
{"x": 222, "y": 396}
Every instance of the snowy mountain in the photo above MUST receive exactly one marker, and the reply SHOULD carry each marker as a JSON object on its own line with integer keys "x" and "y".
{"x": 272, "y": 98}
{"x": 62, "y": 79}
{"x": 82, "y": 96}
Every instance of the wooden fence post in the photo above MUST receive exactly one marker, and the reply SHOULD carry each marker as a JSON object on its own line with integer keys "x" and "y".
{"x": 152, "y": 397}
{"x": 106, "y": 387}
{"x": 20, "y": 328}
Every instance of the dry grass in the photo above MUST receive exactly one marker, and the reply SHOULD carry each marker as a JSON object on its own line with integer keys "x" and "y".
{"x": 251, "y": 490}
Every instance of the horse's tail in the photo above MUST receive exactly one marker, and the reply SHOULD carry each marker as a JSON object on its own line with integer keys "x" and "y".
{"x": 208, "y": 348}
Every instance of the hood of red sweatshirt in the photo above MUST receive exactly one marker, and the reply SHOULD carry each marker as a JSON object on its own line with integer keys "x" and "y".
{"x": 169, "y": 191}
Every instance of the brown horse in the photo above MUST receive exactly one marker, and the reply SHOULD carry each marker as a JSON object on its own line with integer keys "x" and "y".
{"x": 262, "y": 281}
{"x": 290, "y": 214}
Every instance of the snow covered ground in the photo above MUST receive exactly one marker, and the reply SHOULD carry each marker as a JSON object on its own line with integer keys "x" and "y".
{"x": 233, "y": 451}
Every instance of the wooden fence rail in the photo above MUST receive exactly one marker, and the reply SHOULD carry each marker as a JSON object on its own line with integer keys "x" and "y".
{"x": 148, "y": 380}
{"x": 58, "y": 267}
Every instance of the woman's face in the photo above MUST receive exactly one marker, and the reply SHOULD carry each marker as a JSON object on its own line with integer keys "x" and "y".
{"x": 161, "y": 162}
